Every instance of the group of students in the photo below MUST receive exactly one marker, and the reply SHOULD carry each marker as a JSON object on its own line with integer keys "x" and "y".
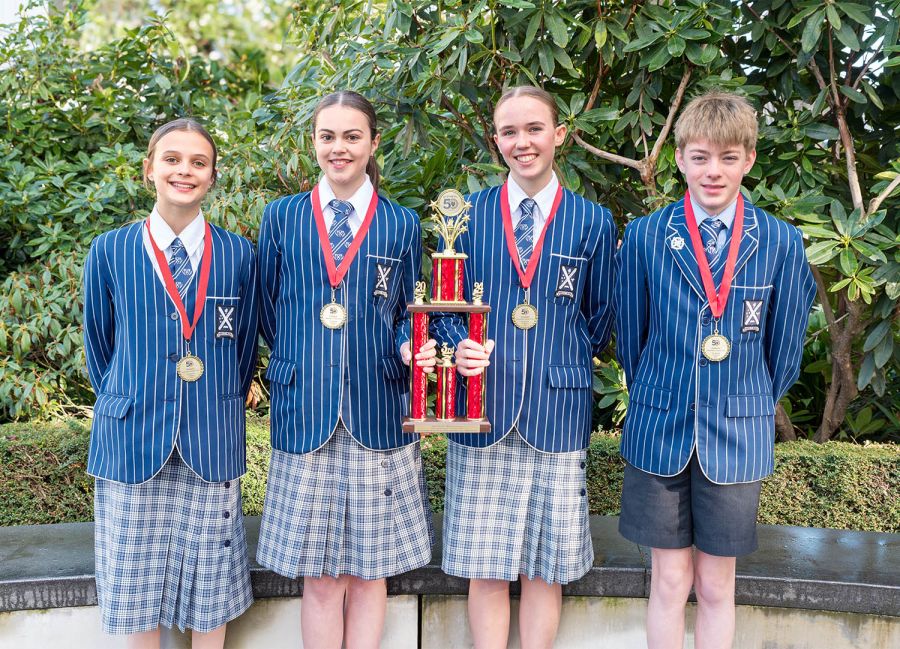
{"x": 710, "y": 297}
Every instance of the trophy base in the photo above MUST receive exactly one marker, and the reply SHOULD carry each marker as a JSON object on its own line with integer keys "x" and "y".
{"x": 432, "y": 425}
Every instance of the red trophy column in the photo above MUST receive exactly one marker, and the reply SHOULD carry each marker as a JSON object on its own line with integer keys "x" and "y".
{"x": 418, "y": 392}
{"x": 445, "y": 407}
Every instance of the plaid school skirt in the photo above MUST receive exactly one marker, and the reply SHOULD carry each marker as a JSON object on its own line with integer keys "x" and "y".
{"x": 346, "y": 510}
{"x": 170, "y": 551}
{"x": 512, "y": 510}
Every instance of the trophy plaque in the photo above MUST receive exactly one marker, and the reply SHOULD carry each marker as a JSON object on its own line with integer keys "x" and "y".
{"x": 450, "y": 211}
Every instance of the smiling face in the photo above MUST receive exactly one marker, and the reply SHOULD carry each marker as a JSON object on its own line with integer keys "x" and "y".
{"x": 714, "y": 172}
{"x": 182, "y": 171}
{"x": 527, "y": 138}
{"x": 344, "y": 144}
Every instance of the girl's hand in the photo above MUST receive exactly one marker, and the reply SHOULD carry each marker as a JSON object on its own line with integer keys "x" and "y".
{"x": 472, "y": 358}
{"x": 426, "y": 358}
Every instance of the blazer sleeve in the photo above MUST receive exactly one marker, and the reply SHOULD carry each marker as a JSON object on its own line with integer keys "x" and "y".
{"x": 411, "y": 268}
{"x": 269, "y": 264}
{"x": 99, "y": 323}
{"x": 793, "y": 290}
{"x": 597, "y": 305}
{"x": 248, "y": 321}
{"x": 631, "y": 304}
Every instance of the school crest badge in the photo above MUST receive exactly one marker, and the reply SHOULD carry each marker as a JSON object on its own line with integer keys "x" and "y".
{"x": 677, "y": 243}
{"x": 382, "y": 279}
{"x": 567, "y": 280}
{"x": 752, "y": 316}
{"x": 224, "y": 321}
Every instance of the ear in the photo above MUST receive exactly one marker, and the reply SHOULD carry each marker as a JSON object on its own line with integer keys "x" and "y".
{"x": 148, "y": 169}
{"x": 679, "y": 159}
{"x": 496, "y": 140}
{"x": 375, "y": 142}
{"x": 751, "y": 159}
{"x": 559, "y": 135}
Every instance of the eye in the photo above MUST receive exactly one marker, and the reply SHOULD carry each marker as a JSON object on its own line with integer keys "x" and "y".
{"x": 170, "y": 159}
{"x": 353, "y": 138}
{"x": 199, "y": 163}
{"x": 506, "y": 132}
{"x": 536, "y": 129}
{"x": 325, "y": 137}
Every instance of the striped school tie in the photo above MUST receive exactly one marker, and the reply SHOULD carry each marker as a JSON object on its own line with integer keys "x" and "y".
{"x": 180, "y": 266}
{"x": 524, "y": 231}
{"x": 710, "y": 229}
{"x": 340, "y": 233}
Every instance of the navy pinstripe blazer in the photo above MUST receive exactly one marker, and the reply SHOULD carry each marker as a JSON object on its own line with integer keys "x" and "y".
{"x": 540, "y": 380}
{"x": 133, "y": 339}
{"x": 308, "y": 360}
{"x": 679, "y": 401}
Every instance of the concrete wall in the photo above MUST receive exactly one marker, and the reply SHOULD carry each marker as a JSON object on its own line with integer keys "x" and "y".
{"x": 588, "y": 622}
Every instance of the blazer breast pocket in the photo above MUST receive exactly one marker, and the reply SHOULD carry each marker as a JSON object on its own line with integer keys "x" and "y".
{"x": 750, "y": 310}
{"x": 566, "y": 279}
{"x": 384, "y": 279}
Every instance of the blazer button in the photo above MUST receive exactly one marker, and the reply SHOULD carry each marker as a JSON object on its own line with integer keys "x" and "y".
{"x": 227, "y": 484}
{"x": 385, "y": 464}
{"x": 174, "y": 316}
{"x": 705, "y": 322}
{"x": 583, "y": 464}
{"x": 693, "y": 407}
{"x": 226, "y": 514}
{"x": 387, "y": 492}
{"x": 227, "y": 544}
{"x": 583, "y": 492}
{"x": 703, "y": 362}
{"x": 173, "y": 358}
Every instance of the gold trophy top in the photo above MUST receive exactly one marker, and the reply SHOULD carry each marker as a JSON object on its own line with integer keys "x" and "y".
{"x": 446, "y": 355}
{"x": 451, "y": 212}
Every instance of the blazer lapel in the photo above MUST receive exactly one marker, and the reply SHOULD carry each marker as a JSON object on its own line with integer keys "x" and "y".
{"x": 678, "y": 243}
{"x": 749, "y": 239}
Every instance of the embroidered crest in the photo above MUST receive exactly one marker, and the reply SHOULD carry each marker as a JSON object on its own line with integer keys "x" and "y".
{"x": 752, "y": 316}
{"x": 382, "y": 279}
{"x": 224, "y": 321}
{"x": 568, "y": 278}
{"x": 677, "y": 243}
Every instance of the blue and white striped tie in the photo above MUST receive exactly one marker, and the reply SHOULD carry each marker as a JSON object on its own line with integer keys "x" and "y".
{"x": 340, "y": 233}
{"x": 180, "y": 266}
{"x": 710, "y": 229}
{"x": 524, "y": 231}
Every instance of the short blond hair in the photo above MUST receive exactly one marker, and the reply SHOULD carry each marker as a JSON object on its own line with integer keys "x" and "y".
{"x": 723, "y": 118}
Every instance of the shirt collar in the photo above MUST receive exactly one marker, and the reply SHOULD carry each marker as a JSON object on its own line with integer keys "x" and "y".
{"x": 543, "y": 198}
{"x": 726, "y": 216}
{"x": 191, "y": 237}
{"x": 360, "y": 199}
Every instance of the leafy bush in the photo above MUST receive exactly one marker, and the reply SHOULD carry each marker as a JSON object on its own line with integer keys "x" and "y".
{"x": 837, "y": 485}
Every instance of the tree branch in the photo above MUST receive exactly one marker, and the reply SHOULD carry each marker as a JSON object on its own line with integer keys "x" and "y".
{"x": 670, "y": 118}
{"x": 878, "y": 200}
{"x": 612, "y": 157}
{"x": 823, "y": 296}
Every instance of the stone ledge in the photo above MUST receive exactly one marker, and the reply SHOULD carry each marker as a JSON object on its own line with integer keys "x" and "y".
{"x": 52, "y": 566}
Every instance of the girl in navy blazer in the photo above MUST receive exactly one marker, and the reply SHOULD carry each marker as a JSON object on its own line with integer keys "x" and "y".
{"x": 516, "y": 504}
{"x": 345, "y": 504}
{"x": 170, "y": 330}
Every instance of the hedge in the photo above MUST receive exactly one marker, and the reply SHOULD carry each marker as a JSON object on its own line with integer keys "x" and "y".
{"x": 836, "y": 485}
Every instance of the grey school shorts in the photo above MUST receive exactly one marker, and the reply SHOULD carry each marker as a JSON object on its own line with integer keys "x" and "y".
{"x": 687, "y": 510}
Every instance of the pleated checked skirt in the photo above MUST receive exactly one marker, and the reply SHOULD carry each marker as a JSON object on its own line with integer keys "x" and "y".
{"x": 512, "y": 510}
{"x": 170, "y": 552}
{"x": 346, "y": 510}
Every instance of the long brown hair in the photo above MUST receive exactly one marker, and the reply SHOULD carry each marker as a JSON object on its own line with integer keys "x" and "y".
{"x": 180, "y": 124}
{"x": 358, "y": 102}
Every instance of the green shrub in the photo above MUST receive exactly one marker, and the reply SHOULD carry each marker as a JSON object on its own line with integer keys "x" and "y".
{"x": 836, "y": 485}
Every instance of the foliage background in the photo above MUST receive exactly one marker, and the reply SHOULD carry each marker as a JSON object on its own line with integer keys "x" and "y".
{"x": 85, "y": 83}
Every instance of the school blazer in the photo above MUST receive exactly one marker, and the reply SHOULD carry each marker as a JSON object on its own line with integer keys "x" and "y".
{"x": 679, "y": 401}
{"x": 133, "y": 339}
{"x": 312, "y": 368}
{"x": 539, "y": 380}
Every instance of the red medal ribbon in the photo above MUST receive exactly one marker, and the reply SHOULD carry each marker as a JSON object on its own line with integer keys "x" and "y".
{"x": 336, "y": 274}
{"x": 186, "y": 326}
{"x": 526, "y": 277}
{"x": 717, "y": 300}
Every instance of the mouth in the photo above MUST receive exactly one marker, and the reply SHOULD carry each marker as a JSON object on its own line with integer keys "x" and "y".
{"x": 713, "y": 188}
{"x": 339, "y": 163}
{"x": 525, "y": 158}
{"x": 182, "y": 186}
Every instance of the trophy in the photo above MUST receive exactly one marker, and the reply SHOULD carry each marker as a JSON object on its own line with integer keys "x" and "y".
{"x": 447, "y": 296}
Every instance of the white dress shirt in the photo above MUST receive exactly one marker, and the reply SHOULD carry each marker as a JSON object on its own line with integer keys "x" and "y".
{"x": 360, "y": 202}
{"x": 726, "y": 216}
{"x": 191, "y": 238}
{"x": 544, "y": 200}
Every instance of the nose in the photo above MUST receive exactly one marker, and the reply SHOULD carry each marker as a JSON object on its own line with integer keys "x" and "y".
{"x": 184, "y": 168}
{"x": 713, "y": 168}
{"x": 522, "y": 139}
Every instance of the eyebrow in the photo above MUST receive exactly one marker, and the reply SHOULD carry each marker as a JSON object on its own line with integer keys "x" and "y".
{"x": 349, "y": 130}
{"x": 535, "y": 123}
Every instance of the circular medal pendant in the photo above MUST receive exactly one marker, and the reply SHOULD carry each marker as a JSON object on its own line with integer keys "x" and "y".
{"x": 189, "y": 368}
{"x": 715, "y": 347}
{"x": 333, "y": 315}
{"x": 525, "y": 316}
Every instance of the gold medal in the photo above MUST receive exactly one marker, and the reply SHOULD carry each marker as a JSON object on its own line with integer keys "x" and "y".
{"x": 525, "y": 316}
{"x": 333, "y": 315}
{"x": 189, "y": 368}
{"x": 715, "y": 347}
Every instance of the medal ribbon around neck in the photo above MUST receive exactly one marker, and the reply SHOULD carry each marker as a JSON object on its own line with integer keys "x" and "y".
{"x": 187, "y": 327}
{"x": 526, "y": 277}
{"x": 336, "y": 273}
{"x": 717, "y": 300}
